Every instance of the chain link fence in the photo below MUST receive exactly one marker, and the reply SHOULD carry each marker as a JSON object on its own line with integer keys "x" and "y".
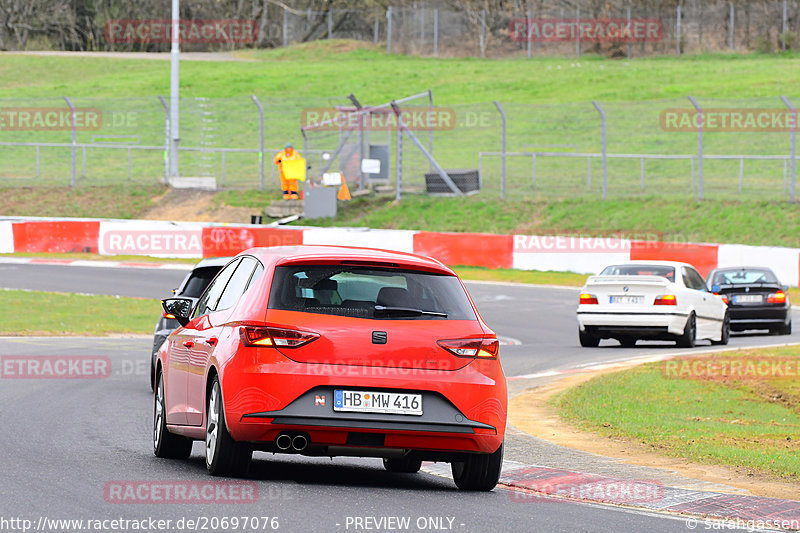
{"x": 465, "y": 28}
{"x": 729, "y": 147}
{"x": 682, "y": 27}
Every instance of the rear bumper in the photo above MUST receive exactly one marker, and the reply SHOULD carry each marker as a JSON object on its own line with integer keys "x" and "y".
{"x": 630, "y": 323}
{"x": 758, "y": 317}
{"x": 463, "y": 410}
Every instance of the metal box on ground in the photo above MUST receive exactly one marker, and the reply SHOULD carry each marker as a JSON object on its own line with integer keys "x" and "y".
{"x": 467, "y": 180}
{"x": 320, "y": 202}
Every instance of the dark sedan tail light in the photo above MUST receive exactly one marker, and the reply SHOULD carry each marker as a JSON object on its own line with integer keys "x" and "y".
{"x": 275, "y": 337}
{"x": 777, "y": 298}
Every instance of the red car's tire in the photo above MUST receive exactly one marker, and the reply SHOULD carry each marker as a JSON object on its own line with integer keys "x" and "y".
{"x": 166, "y": 444}
{"x": 224, "y": 456}
{"x": 480, "y": 472}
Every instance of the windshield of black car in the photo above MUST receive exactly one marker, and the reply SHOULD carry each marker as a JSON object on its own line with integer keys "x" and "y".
{"x": 199, "y": 280}
{"x": 356, "y": 291}
{"x": 640, "y": 270}
{"x": 743, "y": 277}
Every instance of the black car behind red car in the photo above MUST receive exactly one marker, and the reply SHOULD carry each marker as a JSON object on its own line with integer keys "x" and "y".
{"x": 756, "y": 298}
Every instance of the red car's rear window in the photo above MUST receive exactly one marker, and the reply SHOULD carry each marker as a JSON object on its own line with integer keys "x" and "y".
{"x": 368, "y": 292}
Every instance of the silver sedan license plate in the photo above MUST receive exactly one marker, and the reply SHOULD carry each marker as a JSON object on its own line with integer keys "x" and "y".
{"x": 626, "y": 299}
{"x": 362, "y": 401}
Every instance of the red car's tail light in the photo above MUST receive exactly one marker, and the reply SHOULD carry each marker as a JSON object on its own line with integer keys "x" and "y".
{"x": 666, "y": 299}
{"x": 277, "y": 337}
{"x": 777, "y": 298}
{"x": 588, "y": 299}
{"x": 485, "y": 348}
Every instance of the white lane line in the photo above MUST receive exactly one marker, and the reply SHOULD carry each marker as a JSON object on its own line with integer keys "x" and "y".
{"x": 519, "y": 284}
{"x": 95, "y": 264}
{"x": 641, "y": 359}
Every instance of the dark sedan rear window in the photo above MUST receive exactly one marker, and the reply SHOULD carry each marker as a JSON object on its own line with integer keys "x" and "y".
{"x": 744, "y": 277}
{"x": 356, "y": 291}
{"x": 199, "y": 280}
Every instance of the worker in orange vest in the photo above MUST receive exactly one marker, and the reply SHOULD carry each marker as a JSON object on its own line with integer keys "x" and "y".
{"x": 289, "y": 187}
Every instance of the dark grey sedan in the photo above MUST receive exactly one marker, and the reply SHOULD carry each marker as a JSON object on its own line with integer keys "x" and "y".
{"x": 192, "y": 287}
{"x": 756, "y": 298}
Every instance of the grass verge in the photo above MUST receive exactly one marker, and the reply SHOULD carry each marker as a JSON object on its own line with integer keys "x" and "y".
{"x": 50, "y": 313}
{"x": 111, "y": 201}
{"x": 760, "y": 223}
{"x": 321, "y": 69}
{"x": 690, "y": 408}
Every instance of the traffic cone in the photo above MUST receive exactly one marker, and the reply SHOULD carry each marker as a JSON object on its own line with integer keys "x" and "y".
{"x": 344, "y": 192}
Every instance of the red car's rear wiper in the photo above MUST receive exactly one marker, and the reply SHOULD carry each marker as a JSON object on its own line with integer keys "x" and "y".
{"x": 382, "y": 310}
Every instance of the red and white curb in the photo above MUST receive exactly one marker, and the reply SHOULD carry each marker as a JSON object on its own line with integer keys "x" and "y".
{"x": 524, "y": 252}
{"x": 539, "y": 484}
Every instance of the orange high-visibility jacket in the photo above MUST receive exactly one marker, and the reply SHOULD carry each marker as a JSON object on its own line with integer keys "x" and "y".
{"x": 281, "y": 156}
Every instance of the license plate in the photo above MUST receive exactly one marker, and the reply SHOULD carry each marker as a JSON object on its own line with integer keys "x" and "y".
{"x": 747, "y": 298}
{"x": 626, "y": 299}
{"x": 361, "y": 401}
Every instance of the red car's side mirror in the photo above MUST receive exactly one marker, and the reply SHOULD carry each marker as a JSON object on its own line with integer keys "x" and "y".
{"x": 178, "y": 308}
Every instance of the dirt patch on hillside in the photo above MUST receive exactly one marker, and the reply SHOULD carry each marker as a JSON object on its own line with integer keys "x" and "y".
{"x": 196, "y": 206}
{"x": 530, "y": 413}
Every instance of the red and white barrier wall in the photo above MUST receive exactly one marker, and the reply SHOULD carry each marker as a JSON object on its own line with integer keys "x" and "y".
{"x": 526, "y": 252}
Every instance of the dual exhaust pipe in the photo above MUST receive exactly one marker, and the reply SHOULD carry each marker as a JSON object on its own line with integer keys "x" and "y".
{"x": 296, "y": 441}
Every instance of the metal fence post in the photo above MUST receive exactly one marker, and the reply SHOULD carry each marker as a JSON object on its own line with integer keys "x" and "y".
{"x": 483, "y": 33}
{"x": 578, "y": 34}
{"x": 528, "y": 27}
{"x": 784, "y": 28}
{"x": 604, "y": 147}
{"x": 389, "y": 30}
{"x": 793, "y": 162}
{"x": 436, "y": 32}
{"x": 73, "y": 129}
{"x": 166, "y": 137}
{"x": 422, "y": 26}
{"x": 430, "y": 125}
{"x": 628, "y": 18}
{"x": 260, "y": 141}
{"x": 732, "y": 28}
{"x": 699, "y": 147}
{"x": 285, "y": 28}
{"x": 330, "y": 23}
{"x": 398, "y": 176}
{"x": 502, "y": 150}
{"x": 375, "y": 29}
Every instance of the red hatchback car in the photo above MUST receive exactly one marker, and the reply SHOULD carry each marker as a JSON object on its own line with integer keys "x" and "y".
{"x": 333, "y": 351}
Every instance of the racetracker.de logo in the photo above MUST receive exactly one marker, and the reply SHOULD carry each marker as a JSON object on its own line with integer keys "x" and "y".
{"x": 180, "y": 492}
{"x": 729, "y": 120}
{"x": 585, "y": 487}
{"x": 381, "y": 119}
{"x": 555, "y": 30}
{"x": 49, "y": 119}
{"x": 54, "y": 367}
{"x": 129, "y": 31}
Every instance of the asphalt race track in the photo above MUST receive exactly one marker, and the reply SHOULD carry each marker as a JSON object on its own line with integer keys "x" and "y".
{"x": 68, "y": 443}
